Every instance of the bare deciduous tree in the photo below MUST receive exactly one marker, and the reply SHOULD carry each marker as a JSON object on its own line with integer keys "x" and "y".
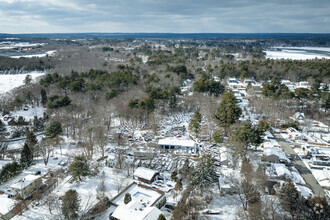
{"x": 102, "y": 188}
{"x": 100, "y": 138}
{"x": 45, "y": 147}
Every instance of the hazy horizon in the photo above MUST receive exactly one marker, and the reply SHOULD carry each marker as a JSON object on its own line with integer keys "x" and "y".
{"x": 155, "y": 16}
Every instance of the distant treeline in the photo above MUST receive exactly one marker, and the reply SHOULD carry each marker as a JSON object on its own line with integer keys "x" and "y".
{"x": 295, "y": 70}
{"x": 26, "y": 64}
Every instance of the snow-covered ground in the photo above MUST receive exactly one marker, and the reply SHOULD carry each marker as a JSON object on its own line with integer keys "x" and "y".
{"x": 9, "y": 45}
{"x": 298, "y": 53}
{"x": 11, "y": 81}
{"x": 227, "y": 205}
{"x": 39, "y": 55}
{"x": 6, "y": 203}
{"x": 30, "y": 113}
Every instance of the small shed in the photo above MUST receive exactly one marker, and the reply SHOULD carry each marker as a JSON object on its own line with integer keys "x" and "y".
{"x": 145, "y": 175}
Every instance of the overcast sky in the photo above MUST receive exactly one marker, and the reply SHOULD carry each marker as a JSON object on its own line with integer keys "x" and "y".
{"x": 175, "y": 16}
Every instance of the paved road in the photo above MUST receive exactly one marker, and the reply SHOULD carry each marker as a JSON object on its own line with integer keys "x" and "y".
{"x": 299, "y": 164}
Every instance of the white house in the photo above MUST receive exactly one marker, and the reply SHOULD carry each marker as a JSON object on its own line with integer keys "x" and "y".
{"x": 134, "y": 210}
{"x": 143, "y": 204}
{"x": 174, "y": 143}
{"x": 26, "y": 186}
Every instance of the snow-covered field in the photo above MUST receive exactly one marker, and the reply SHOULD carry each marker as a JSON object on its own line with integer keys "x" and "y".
{"x": 49, "y": 53}
{"x": 8, "y": 45}
{"x": 30, "y": 113}
{"x": 11, "y": 81}
{"x": 298, "y": 53}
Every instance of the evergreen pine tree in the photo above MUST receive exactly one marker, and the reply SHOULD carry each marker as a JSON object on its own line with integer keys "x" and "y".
{"x": 289, "y": 197}
{"x": 9, "y": 170}
{"x": 326, "y": 101}
{"x": 217, "y": 137}
{"x": 31, "y": 139}
{"x": 195, "y": 123}
{"x": 44, "y": 98}
{"x": 228, "y": 112}
{"x": 172, "y": 99}
{"x": 127, "y": 198}
{"x": 79, "y": 168}
{"x": 2, "y": 126}
{"x": 161, "y": 217}
{"x": 248, "y": 134}
{"x": 53, "y": 129}
{"x": 27, "y": 79}
{"x": 204, "y": 173}
{"x": 26, "y": 156}
{"x": 70, "y": 205}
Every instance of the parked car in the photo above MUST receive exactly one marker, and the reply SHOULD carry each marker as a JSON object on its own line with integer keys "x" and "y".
{"x": 306, "y": 157}
{"x": 169, "y": 206}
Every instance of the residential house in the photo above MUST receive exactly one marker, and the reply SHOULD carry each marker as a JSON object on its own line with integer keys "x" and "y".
{"x": 275, "y": 155}
{"x": 144, "y": 203}
{"x": 26, "y": 186}
{"x": 145, "y": 175}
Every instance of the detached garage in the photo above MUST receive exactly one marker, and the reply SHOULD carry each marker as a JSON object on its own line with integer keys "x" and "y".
{"x": 145, "y": 175}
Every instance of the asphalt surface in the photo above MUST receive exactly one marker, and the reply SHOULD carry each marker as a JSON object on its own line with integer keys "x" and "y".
{"x": 306, "y": 174}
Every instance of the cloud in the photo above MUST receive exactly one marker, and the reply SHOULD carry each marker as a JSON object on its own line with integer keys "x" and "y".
{"x": 217, "y": 16}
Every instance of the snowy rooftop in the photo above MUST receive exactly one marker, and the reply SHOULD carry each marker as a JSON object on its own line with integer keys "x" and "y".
{"x": 176, "y": 142}
{"x": 304, "y": 191}
{"x": 139, "y": 194}
{"x": 27, "y": 180}
{"x": 145, "y": 173}
{"x": 281, "y": 170}
{"x": 275, "y": 151}
{"x": 132, "y": 211}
